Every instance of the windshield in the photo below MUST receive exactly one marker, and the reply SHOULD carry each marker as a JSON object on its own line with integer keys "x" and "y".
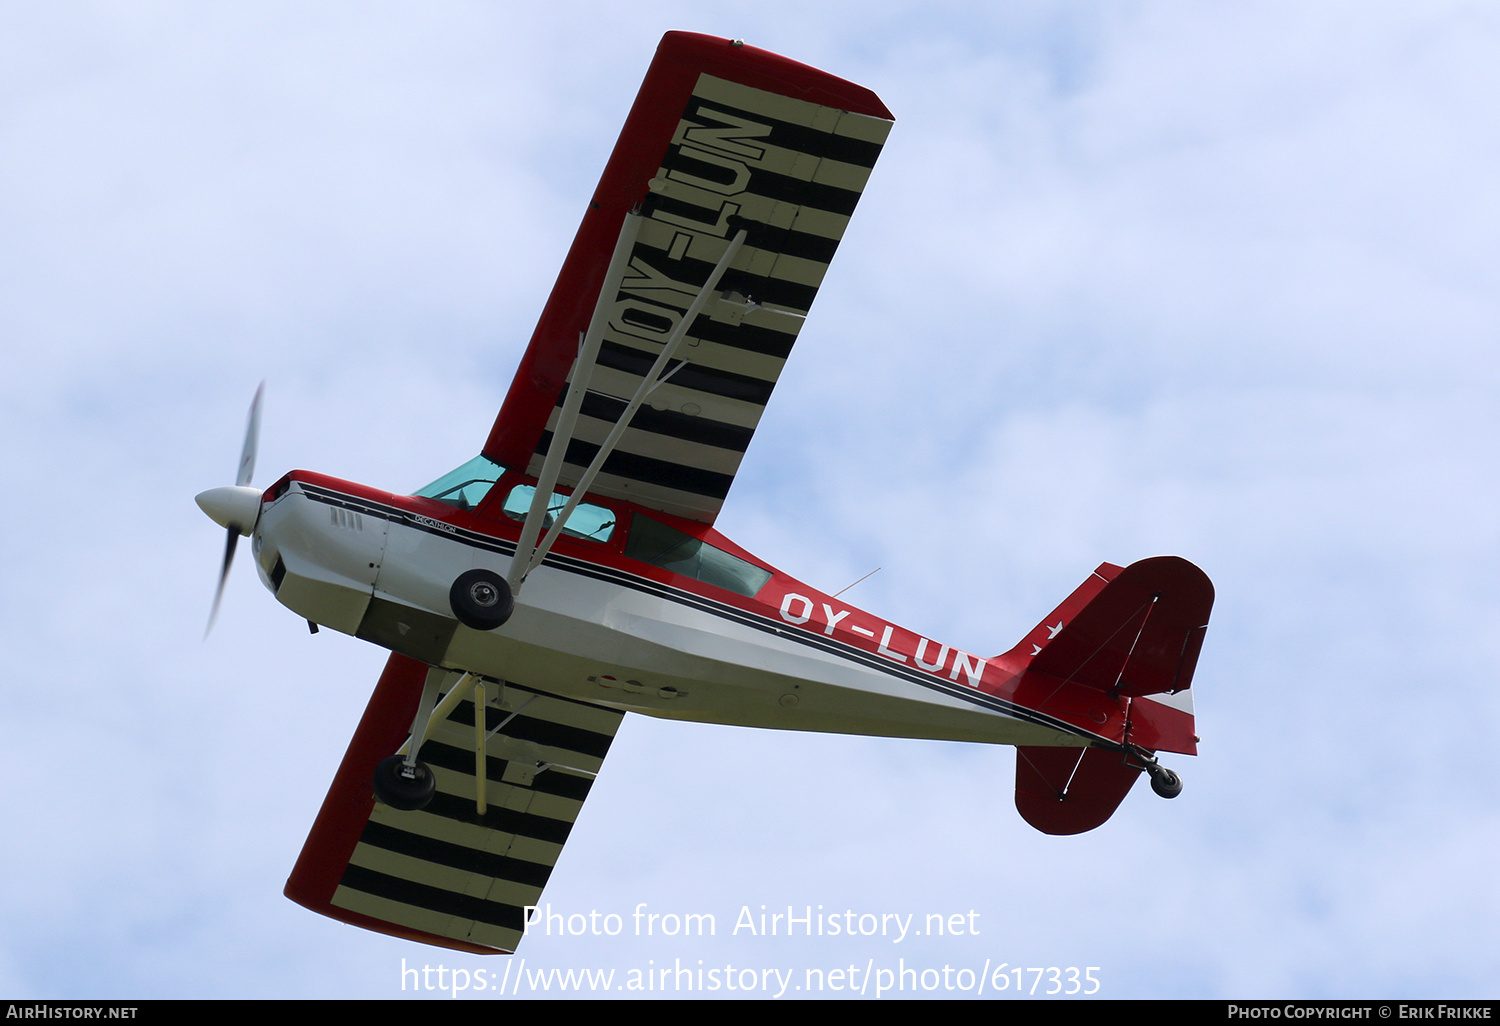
{"x": 467, "y": 486}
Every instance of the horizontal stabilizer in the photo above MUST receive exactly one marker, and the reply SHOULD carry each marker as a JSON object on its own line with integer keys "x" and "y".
{"x": 1140, "y": 634}
{"x": 1070, "y": 790}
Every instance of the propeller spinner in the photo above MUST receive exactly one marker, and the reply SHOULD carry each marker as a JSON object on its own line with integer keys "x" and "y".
{"x": 235, "y": 507}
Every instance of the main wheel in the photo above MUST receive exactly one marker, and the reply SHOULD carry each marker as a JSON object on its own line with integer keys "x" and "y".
{"x": 481, "y": 599}
{"x": 404, "y": 787}
{"x": 1166, "y": 783}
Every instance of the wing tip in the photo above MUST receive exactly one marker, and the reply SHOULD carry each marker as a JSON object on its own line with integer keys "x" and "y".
{"x": 718, "y": 53}
{"x": 349, "y": 918}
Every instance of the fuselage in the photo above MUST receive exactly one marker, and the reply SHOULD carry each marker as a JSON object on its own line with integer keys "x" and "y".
{"x": 593, "y": 623}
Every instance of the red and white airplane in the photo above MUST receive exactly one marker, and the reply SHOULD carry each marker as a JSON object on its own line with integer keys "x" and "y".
{"x": 571, "y": 572}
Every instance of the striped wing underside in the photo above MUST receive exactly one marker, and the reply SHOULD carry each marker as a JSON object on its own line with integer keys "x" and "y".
{"x": 789, "y": 173}
{"x": 449, "y": 874}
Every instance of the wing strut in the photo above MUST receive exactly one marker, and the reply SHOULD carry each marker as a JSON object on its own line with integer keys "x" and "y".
{"x": 588, "y": 352}
{"x": 521, "y": 566}
{"x": 481, "y": 751}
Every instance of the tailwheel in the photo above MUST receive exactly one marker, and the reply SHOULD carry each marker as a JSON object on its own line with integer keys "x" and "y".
{"x": 403, "y": 787}
{"x": 1164, "y": 782}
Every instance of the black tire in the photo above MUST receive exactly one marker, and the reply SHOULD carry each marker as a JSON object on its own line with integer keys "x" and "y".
{"x": 481, "y": 599}
{"x": 1166, "y": 783}
{"x": 402, "y": 787}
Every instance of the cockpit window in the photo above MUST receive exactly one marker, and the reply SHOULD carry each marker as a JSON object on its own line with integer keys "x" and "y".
{"x": 594, "y": 523}
{"x": 653, "y": 542}
{"x": 467, "y": 486}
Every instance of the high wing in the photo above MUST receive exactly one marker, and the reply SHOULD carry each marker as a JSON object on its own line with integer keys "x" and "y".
{"x": 451, "y": 874}
{"x": 723, "y": 138}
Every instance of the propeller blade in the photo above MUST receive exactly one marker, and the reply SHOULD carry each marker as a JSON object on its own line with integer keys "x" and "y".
{"x": 234, "y": 537}
{"x": 252, "y": 439}
{"x": 224, "y": 510}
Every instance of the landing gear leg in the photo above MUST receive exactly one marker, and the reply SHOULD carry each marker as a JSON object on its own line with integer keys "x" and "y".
{"x": 401, "y": 780}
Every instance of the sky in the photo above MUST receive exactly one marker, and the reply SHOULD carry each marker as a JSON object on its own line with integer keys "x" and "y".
{"x": 1132, "y": 279}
